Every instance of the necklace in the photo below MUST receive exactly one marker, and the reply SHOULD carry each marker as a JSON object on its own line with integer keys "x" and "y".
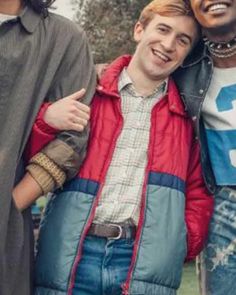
{"x": 221, "y": 49}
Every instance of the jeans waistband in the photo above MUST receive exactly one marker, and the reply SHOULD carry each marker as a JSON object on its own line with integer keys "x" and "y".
{"x": 112, "y": 231}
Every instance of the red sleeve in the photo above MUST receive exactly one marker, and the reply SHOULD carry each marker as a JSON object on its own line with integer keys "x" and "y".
{"x": 41, "y": 134}
{"x": 199, "y": 205}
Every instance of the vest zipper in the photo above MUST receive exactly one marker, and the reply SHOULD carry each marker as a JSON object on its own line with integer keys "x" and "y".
{"x": 126, "y": 285}
{"x": 92, "y": 214}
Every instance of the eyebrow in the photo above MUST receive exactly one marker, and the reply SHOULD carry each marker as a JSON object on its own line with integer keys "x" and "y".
{"x": 182, "y": 34}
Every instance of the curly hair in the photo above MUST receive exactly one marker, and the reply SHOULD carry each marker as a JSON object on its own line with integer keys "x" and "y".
{"x": 40, "y": 6}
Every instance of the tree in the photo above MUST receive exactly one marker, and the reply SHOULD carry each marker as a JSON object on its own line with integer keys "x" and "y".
{"x": 109, "y": 25}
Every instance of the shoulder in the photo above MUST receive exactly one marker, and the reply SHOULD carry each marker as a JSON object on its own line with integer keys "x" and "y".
{"x": 63, "y": 26}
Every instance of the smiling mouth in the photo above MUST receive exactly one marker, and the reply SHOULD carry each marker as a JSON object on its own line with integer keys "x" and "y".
{"x": 217, "y": 7}
{"x": 161, "y": 55}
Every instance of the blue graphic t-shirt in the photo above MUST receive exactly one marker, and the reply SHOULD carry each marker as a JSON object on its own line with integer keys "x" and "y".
{"x": 219, "y": 114}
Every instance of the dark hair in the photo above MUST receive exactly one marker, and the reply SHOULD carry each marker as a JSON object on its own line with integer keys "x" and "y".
{"x": 40, "y": 6}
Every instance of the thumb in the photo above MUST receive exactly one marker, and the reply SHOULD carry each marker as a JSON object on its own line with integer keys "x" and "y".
{"x": 77, "y": 95}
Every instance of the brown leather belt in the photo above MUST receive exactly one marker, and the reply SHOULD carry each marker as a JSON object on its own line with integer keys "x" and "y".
{"x": 112, "y": 231}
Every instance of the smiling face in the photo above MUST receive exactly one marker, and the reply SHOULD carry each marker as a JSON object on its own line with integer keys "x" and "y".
{"x": 215, "y": 14}
{"x": 163, "y": 44}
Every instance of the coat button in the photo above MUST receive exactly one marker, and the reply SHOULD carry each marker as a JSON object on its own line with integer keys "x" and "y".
{"x": 201, "y": 91}
{"x": 194, "y": 118}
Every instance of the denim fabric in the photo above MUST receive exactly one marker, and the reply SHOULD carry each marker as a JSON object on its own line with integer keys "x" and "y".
{"x": 103, "y": 267}
{"x": 218, "y": 264}
{"x": 193, "y": 80}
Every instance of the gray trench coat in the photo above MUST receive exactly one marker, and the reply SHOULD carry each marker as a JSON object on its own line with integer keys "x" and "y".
{"x": 40, "y": 58}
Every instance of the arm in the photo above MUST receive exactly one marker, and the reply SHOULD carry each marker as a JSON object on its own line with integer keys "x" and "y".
{"x": 41, "y": 134}
{"x": 61, "y": 158}
{"x": 199, "y": 205}
{"x": 77, "y": 71}
{"x": 65, "y": 114}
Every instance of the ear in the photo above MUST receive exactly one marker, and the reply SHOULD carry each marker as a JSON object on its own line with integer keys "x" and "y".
{"x": 138, "y": 32}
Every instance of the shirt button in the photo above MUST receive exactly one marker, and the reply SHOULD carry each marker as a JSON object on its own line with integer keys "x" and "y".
{"x": 209, "y": 62}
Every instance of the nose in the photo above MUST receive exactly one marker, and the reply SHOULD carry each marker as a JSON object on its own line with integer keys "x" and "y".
{"x": 169, "y": 43}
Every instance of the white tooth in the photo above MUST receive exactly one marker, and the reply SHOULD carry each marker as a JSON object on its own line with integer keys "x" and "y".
{"x": 162, "y": 56}
{"x": 217, "y": 7}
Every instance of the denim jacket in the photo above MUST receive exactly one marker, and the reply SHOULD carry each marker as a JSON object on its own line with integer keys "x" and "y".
{"x": 193, "y": 80}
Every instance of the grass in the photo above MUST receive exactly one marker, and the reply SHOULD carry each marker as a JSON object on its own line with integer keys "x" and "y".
{"x": 189, "y": 284}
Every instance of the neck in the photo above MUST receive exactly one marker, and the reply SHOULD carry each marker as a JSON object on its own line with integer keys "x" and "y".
{"x": 229, "y": 62}
{"x": 11, "y": 7}
{"x": 219, "y": 36}
{"x": 142, "y": 84}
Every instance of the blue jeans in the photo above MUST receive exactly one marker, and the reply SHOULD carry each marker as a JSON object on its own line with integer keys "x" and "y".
{"x": 218, "y": 264}
{"x": 103, "y": 267}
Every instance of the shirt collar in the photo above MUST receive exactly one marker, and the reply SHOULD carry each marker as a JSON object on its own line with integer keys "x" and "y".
{"x": 29, "y": 19}
{"x": 125, "y": 83}
{"x": 124, "y": 80}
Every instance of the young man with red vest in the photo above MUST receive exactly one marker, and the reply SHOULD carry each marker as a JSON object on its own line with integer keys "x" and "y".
{"x": 138, "y": 207}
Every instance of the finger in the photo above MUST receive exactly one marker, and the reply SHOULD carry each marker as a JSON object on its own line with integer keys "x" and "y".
{"x": 82, "y": 107}
{"x": 81, "y": 115}
{"x": 77, "y": 95}
{"x": 80, "y": 121}
{"x": 77, "y": 127}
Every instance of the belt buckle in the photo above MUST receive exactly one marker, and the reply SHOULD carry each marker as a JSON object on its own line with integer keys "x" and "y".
{"x": 119, "y": 234}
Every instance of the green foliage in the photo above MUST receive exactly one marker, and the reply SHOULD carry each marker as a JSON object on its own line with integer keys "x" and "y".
{"x": 109, "y": 26}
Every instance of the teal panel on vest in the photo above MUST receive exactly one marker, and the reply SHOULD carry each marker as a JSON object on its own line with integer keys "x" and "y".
{"x": 64, "y": 220}
{"x": 45, "y": 291}
{"x": 163, "y": 244}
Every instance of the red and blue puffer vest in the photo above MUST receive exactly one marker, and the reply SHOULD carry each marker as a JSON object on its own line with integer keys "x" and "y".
{"x": 175, "y": 205}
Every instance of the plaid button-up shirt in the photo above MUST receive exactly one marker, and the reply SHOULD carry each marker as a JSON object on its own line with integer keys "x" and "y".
{"x": 121, "y": 194}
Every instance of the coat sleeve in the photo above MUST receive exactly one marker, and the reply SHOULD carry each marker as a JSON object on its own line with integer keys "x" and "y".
{"x": 75, "y": 72}
{"x": 199, "y": 205}
{"x": 62, "y": 153}
{"x": 41, "y": 135}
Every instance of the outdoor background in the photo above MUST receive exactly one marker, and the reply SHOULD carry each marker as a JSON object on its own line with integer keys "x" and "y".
{"x": 109, "y": 27}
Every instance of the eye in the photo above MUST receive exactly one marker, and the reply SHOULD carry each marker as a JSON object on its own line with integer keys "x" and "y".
{"x": 162, "y": 30}
{"x": 183, "y": 41}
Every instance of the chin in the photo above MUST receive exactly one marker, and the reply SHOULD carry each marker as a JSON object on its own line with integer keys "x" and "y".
{"x": 220, "y": 26}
